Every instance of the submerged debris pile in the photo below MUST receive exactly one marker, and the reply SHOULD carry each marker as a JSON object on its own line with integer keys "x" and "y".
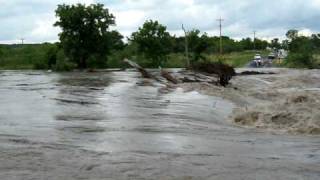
{"x": 209, "y": 72}
{"x": 224, "y": 72}
{"x": 280, "y": 100}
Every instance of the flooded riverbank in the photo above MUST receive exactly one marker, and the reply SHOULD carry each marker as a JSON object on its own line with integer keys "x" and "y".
{"x": 285, "y": 102}
{"x": 107, "y": 125}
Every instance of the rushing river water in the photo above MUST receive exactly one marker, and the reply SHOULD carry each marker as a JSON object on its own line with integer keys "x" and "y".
{"x": 108, "y": 125}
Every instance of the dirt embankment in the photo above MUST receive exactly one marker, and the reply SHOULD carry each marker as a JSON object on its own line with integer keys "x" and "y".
{"x": 288, "y": 101}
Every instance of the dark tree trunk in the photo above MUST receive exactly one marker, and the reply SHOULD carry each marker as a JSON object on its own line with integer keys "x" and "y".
{"x": 82, "y": 63}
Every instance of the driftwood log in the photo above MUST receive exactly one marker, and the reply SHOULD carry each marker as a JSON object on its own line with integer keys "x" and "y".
{"x": 169, "y": 77}
{"x": 143, "y": 72}
{"x": 146, "y": 74}
{"x": 214, "y": 73}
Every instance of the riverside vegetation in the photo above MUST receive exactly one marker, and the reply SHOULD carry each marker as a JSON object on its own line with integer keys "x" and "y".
{"x": 151, "y": 45}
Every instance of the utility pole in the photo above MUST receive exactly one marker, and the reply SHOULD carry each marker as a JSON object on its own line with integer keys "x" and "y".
{"x": 22, "y": 41}
{"x": 186, "y": 45}
{"x": 254, "y": 40}
{"x": 220, "y": 27}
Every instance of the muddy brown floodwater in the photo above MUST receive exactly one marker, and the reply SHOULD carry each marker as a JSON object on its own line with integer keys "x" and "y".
{"x": 106, "y": 125}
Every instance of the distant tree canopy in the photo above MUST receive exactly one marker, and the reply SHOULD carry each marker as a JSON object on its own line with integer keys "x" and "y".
{"x": 299, "y": 44}
{"x": 87, "y": 40}
{"x": 315, "y": 39}
{"x": 85, "y": 32}
{"x": 292, "y": 34}
{"x": 275, "y": 43}
{"x": 301, "y": 49}
{"x": 153, "y": 41}
{"x": 210, "y": 44}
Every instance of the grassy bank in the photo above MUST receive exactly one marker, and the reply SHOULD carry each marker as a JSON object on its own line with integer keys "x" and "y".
{"x": 36, "y": 57}
{"x": 23, "y": 56}
{"x": 235, "y": 59}
{"x": 238, "y": 59}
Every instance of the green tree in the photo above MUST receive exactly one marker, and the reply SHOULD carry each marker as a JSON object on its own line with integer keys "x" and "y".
{"x": 261, "y": 44}
{"x": 246, "y": 44}
{"x": 300, "y": 44}
{"x": 197, "y": 44}
{"x": 292, "y": 34}
{"x": 315, "y": 38}
{"x": 85, "y": 32}
{"x": 62, "y": 62}
{"x": 115, "y": 40}
{"x": 275, "y": 43}
{"x": 153, "y": 41}
{"x": 52, "y": 56}
{"x": 178, "y": 44}
{"x": 301, "y": 51}
{"x": 1, "y": 51}
{"x": 285, "y": 44}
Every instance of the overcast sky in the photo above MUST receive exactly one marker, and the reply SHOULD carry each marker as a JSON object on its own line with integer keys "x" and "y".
{"x": 33, "y": 19}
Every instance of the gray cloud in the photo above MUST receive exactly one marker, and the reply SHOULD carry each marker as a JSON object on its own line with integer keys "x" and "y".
{"x": 33, "y": 19}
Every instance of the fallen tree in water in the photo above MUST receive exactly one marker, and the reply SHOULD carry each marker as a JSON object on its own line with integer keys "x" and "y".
{"x": 169, "y": 77}
{"x": 223, "y": 71}
{"x": 146, "y": 74}
{"x": 143, "y": 72}
{"x": 209, "y": 72}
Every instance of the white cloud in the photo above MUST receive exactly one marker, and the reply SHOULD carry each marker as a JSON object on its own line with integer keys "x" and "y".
{"x": 129, "y": 19}
{"x": 33, "y": 19}
{"x": 44, "y": 29}
{"x": 305, "y": 32}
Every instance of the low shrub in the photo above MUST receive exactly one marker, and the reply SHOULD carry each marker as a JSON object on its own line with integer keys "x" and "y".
{"x": 62, "y": 63}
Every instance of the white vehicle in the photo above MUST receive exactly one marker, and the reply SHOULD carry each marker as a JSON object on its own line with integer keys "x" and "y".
{"x": 258, "y": 59}
{"x": 271, "y": 56}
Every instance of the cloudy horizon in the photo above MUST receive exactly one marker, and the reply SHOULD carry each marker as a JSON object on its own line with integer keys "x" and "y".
{"x": 33, "y": 19}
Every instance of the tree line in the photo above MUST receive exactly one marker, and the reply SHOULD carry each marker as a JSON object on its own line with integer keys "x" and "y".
{"x": 87, "y": 40}
{"x": 302, "y": 50}
{"x": 86, "y": 36}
